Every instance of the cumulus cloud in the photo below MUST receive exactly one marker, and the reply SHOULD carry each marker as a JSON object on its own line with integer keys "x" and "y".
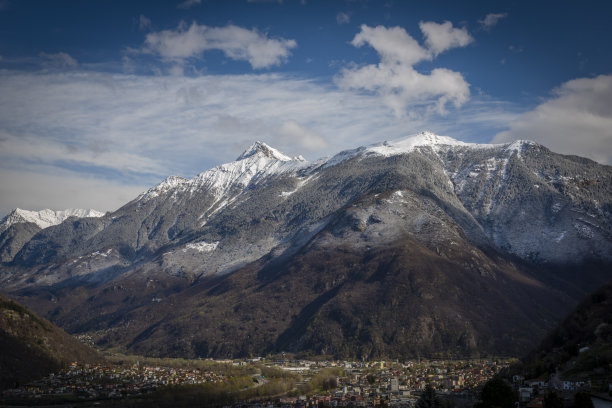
{"x": 396, "y": 80}
{"x": 577, "y": 119}
{"x": 189, "y": 3}
{"x": 343, "y": 18}
{"x": 443, "y": 37}
{"x": 235, "y": 42}
{"x": 491, "y": 20}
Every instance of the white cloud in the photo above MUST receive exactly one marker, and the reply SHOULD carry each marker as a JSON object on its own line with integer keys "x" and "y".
{"x": 443, "y": 37}
{"x": 305, "y": 138}
{"x": 58, "y": 60}
{"x": 189, "y": 3}
{"x": 576, "y": 120}
{"x": 235, "y": 42}
{"x": 396, "y": 80}
{"x": 37, "y": 190}
{"x": 394, "y": 45}
{"x": 343, "y": 18}
{"x": 491, "y": 20}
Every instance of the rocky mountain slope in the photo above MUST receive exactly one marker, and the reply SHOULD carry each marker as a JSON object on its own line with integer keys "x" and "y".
{"x": 33, "y": 347}
{"x": 422, "y": 245}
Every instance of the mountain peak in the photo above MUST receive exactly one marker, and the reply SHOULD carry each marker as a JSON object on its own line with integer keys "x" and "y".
{"x": 260, "y": 149}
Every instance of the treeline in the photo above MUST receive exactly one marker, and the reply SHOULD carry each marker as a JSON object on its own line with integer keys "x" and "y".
{"x": 225, "y": 369}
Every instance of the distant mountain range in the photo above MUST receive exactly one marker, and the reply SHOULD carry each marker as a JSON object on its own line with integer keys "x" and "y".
{"x": 424, "y": 245}
{"x": 20, "y": 225}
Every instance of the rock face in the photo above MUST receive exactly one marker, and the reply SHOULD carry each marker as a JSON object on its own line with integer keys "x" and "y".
{"x": 422, "y": 245}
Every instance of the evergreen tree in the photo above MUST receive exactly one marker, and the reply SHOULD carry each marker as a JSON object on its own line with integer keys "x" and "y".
{"x": 429, "y": 399}
{"x": 583, "y": 400}
{"x": 496, "y": 394}
{"x": 552, "y": 400}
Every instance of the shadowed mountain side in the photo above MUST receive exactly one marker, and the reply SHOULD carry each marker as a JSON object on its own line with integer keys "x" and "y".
{"x": 581, "y": 346}
{"x": 400, "y": 301}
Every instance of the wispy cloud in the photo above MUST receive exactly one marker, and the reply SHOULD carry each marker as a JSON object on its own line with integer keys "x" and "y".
{"x": 144, "y": 23}
{"x": 396, "y": 80}
{"x": 343, "y": 18}
{"x": 39, "y": 188}
{"x": 235, "y": 42}
{"x": 189, "y": 3}
{"x": 491, "y": 20}
{"x": 577, "y": 119}
{"x": 57, "y": 60}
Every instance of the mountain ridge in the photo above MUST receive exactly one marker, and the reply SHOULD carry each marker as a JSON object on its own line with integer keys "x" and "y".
{"x": 513, "y": 218}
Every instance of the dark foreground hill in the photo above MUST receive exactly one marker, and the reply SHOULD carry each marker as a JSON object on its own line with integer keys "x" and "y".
{"x": 32, "y": 347}
{"x": 423, "y": 246}
{"x": 580, "y": 348}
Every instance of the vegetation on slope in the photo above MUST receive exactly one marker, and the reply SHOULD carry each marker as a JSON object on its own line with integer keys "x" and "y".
{"x": 581, "y": 346}
{"x": 32, "y": 347}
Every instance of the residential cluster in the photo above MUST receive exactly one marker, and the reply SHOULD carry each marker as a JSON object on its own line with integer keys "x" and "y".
{"x": 532, "y": 392}
{"x": 395, "y": 384}
{"x": 111, "y": 381}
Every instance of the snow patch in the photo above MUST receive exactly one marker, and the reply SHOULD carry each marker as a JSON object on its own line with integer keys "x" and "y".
{"x": 300, "y": 184}
{"x": 519, "y": 146}
{"x": 561, "y": 236}
{"x": 201, "y": 246}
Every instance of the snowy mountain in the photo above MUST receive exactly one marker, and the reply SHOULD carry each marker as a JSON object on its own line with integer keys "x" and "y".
{"x": 19, "y": 226}
{"x": 452, "y": 242}
{"x": 45, "y": 218}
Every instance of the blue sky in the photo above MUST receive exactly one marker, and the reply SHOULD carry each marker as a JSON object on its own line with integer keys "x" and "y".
{"x": 100, "y": 100}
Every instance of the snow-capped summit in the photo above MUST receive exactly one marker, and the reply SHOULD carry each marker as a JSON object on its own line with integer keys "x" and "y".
{"x": 389, "y": 148}
{"x": 401, "y": 146}
{"x": 45, "y": 218}
{"x": 256, "y": 162}
{"x": 261, "y": 149}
